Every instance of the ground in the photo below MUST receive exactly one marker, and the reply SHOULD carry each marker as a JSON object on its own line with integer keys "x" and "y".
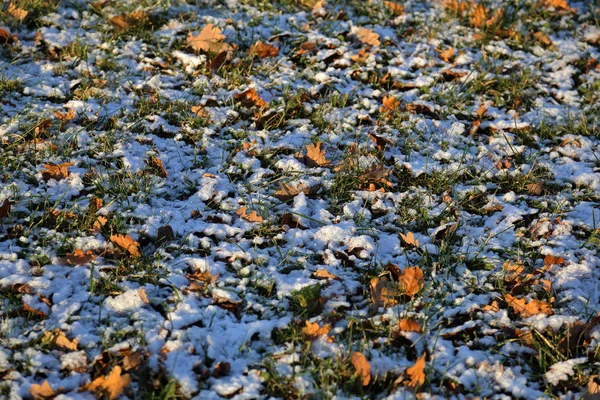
{"x": 250, "y": 199}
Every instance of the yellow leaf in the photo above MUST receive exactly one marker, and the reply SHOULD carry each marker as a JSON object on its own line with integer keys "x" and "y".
{"x": 42, "y": 392}
{"x": 315, "y": 156}
{"x": 368, "y": 37}
{"x": 17, "y": 13}
{"x": 209, "y": 40}
{"x": 362, "y": 366}
{"x": 252, "y": 217}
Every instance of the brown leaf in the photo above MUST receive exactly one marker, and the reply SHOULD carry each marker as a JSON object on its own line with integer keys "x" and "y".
{"x": 362, "y": 366}
{"x": 250, "y": 98}
{"x": 395, "y": 8}
{"x": 219, "y": 60}
{"x": 535, "y": 189}
{"x": 111, "y": 385}
{"x": 390, "y": 104}
{"x": 380, "y": 142}
{"x": 156, "y": 165}
{"x": 143, "y": 295}
{"x": 222, "y": 368}
{"x": 79, "y": 257}
{"x": 5, "y": 208}
{"x": 209, "y": 40}
{"x": 447, "y": 54}
{"x": 64, "y": 117}
{"x": 409, "y": 325}
{"x": 42, "y": 392}
{"x": 132, "y": 361}
{"x": 375, "y": 174}
{"x": 324, "y": 274}
{"x": 479, "y": 16}
{"x": 307, "y": 47}
{"x": 315, "y": 156}
{"x": 593, "y": 388}
{"x": 416, "y": 373}
{"x": 422, "y": 109}
{"x": 126, "y": 243}
{"x": 30, "y": 311}
{"x": 59, "y": 340}
{"x": 412, "y": 280}
{"x": 383, "y": 293}
{"x": 263, "y": 50}
{"x": 368, "y": 37}
{"x": 288, "y": 192}
{"x": 534, "y": 307}
{"x": 558, "y": 5}
{"x": 287, "y": 219}
{"x": 56, "y": 171}
{"x": 124, "y": 22}
{"x": 252, "y": 217}
{"x": 542, "y": 38}
{"x": 96, "y": 203}
{"x": 313, "y": 331}
{"x": 554, "y": 260}
{"x": 165, "y": 234}
{"x": 17, "y": 13}
{"x": 6, "y": 37}
{"x": 409, "y": 239}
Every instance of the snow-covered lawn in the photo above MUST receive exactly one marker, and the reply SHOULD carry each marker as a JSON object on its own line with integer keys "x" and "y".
{"x": 250, "y": 199}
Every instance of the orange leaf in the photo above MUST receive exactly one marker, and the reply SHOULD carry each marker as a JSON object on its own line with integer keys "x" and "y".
{"x": 252, "y": 217}
{"x": 411, "y": 280}
{"x": 534, "y": 307}
{"x": 6, "y": 37}
{"x": 409, "y": 239}
{"x": 250, "y": 98}
{"x": 111, "y": 384}
{"x": 78, "y": 257}
{"x": 42, "y": 392}
{"x": 17, "y": 13}
{"x": 315, "y": 156}
{"x": 312, "y": 331}
{"x": 156, "y": 164}
{"x": 542, "y": 38}
{"x": 209, "y": 40}
{"x": 368, "y": 37}
{"x": 479, "y": 16}
{"x": 200, "y": 112}
{"x": 380, "y": 142}
{"x": 390, "y": 103}
{"x": 64, "y": 116}
{"x": 58, "y": 339}
{"x": 263, "y": 50}
{"x": 57, "y": 172}
{"x": 143, "y": 295}
{"x": 416, "y": 373}
{"x": 124, "y": 22}
{"x": 362, "y": 366}
{"x": 551, "y": 260}
{"x": 395, "y": 8}
{"x": 5, "y": 208}
{"x": 383, "y": 293}
{"x": 324, "y": 274}
{"x": 99, "y": 223}
{"x": 558, "y": 5}
{"x": 409, "y": 325}
{"x": 288, "y": 192}
{"x": 126, "y": 243}
{"x": 447, "y": 54}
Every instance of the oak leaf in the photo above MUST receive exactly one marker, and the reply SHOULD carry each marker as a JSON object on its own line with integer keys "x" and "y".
{"x": 5, "y": 208}
{"x": 111, "y": 385}
{"x": 416, "y": 373}
{"x": 56, "y": 171}
{"x": 263, "y": 50}
{"x": 313, "y": 331}
{"x": 126, "y": 243}
{"x": 252, "y": 217}
{"x": 368, "y": 37}
{"x": 79, "y": 257}
{"x": 17, "y": 13}
{"x": 288, "y": 192}
{"x": 209, "y": 40}
{"x": 409, "y": 325}
{"x": 64, "y": 117}
{"x": 59, "y": 340}
{"x": 42, "y": 392}
{"x": 315, "y": 156}
{"x": 411, "y": 280}
{"x": 250, "y": 98}
{"x": 362, "y": 367}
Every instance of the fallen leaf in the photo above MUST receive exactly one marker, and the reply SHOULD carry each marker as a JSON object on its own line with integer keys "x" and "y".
{"x": 375, "y": 174}
{"x": 252, "y": 217}
{"x": 287, "y": 219}
{"x": 368, "y": 37}
{"x": 383, "y": 293}
{"x": 447, "y": 54}
{"x": 111, "y": 385}
{"x": 6, "y": 37}
{"x": 156, "y": 165}
{"x": 42, "y": 392}
{"x": 124, "y": 22}
{"x": 554, "y": 260}
{"x": 222, "y": 368}
{"x": 64, "y": 117}
{"x": 380, "y": 142}
{"x": 126, "y": 243}
{"x": 59, "y": 340}
{"x": 525, "y": 309}
{"x": 313, "y": 331}
{"x": 593, "y": 388}
{"x": 395, "y": 8}
{"x": 307, "y": 47}
{"x": 558, "y": 5}
{"x": 99, "y": 223}
{"x": 95, "y": 204}
{"x": 324, "y": 274}
{"x": 542, "y": 38}
{"x": 79, "y": 257}
{"x": 315, "y": 156}
{"x": 409, "y": 239}
{"x": 534, "y": 189}
{"x": 132, "y": 361}
{"x": 250, "y": 98}
{"x": 143, "y": 295}
{"x": 165, "y": 234}
{"x": 422, "y": 109}
{"x": 28, "y": 310}
{"x": 416, "y": 373}
{"x": 362, "y": 367}
{"x": 219, "y": 60}
{"x": 17, "y": 13}
{"x": 479, "y": 16}
{"x": 263, "y": 50}
{"x": 5, "y": 208}
{"x": 56, "y": 171}
{"x": 390, "y": 104}
{"x": 411, "y": 280}
{"x": 209, "y": 40}
{"x": 409, "y": 325}
{"x": 288, "y": 192}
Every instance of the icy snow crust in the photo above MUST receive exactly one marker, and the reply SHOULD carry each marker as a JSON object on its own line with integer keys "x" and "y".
{"x": 244, "y": 317}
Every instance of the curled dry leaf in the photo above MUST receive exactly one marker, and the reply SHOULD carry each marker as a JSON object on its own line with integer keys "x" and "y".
{"x": 59, "y": 340}
{"x": 64, "y": 117}
{"x": 324, "y": 274}
{"x": 252, "y": 217}
{"x": 528, "y": 309}
{"x": 368, "y": 37}
{"x": 143, "y": 295}
{"x": 17, "y": 13}
{"x": 362, "y": 367}
{"x": 79, "y": 257}
{"x": 542, "y": 38}
{"x": 416, "y": 373}
{"x": 558, "y": 5}
{"x": 99, "y": 223}
{"x": 42, "y": 392}
{"x": 156, "y": 165}
{"x": 209, "y": 40}
{"x": 313, "y": 331}
{"x": 56, "y": 171}
{"x": 288, "y": 192}
{"x": 96, "y": 203}
{"x": 315, "y": 156}
{"x": 111, "y": 385}
{"x": 411, "y": 280}
{"x": 5, "y": 208}
{"x": 409, "y": 239}
{"x": 263, "y": 50}
{"x": 593, "y": 388}
{"x": 126, "y": 242}
{"x": 250, "y": 98}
